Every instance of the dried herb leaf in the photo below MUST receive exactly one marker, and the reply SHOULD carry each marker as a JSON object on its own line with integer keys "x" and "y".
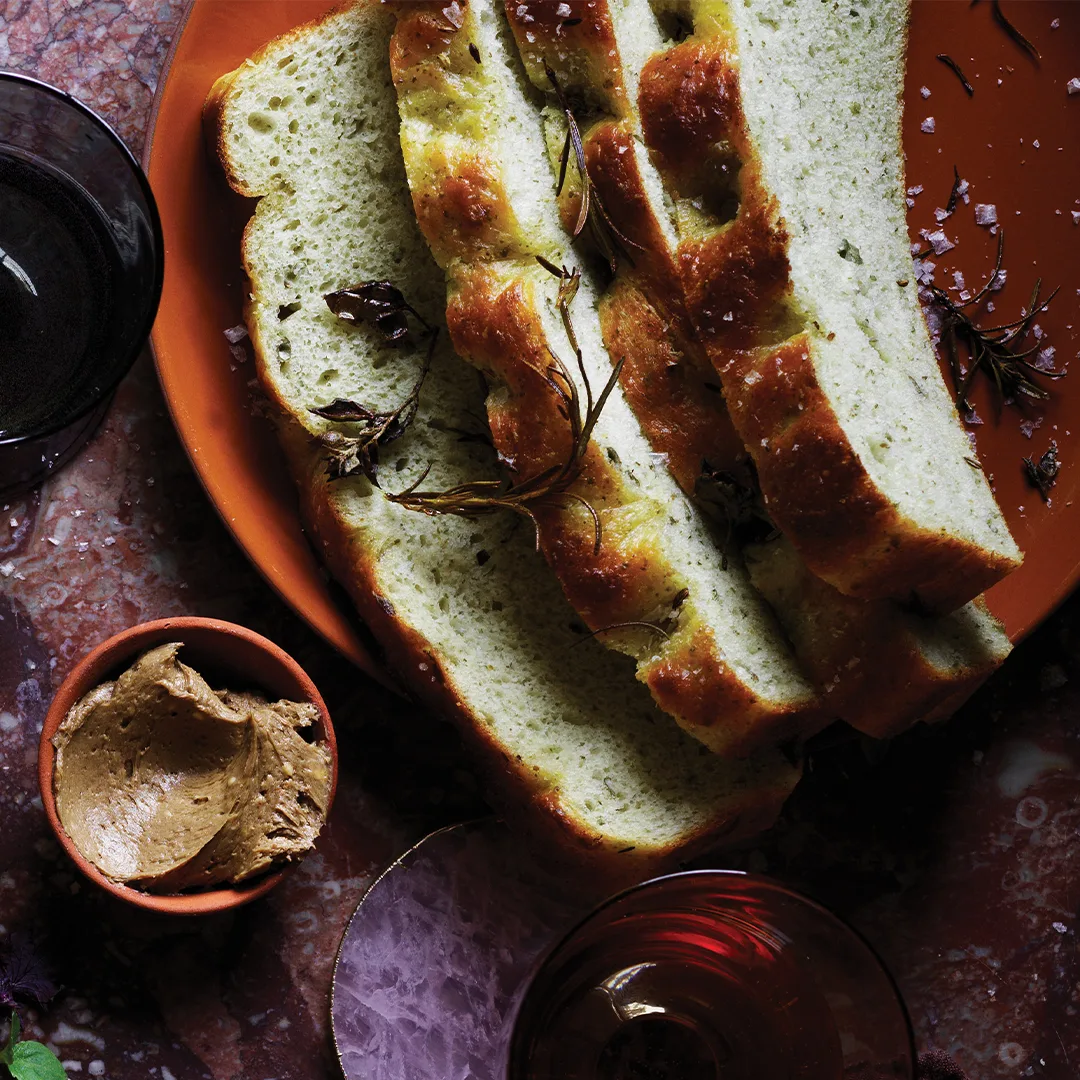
{"x": 950, "y": 63}
{"x": 550, "y": 487}
{"x": 1042, "y": 474}
{"x": 950, "y": 206}
{"x": 377, "y": 302}
{"x": 993, "y": 350}
{"x": 611, "y": 242}
{"x": 474, "y": 52}
{"x": 350, "y": 454}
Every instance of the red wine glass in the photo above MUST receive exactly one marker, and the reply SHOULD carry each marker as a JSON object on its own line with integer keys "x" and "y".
{"x": 711, "y": 975}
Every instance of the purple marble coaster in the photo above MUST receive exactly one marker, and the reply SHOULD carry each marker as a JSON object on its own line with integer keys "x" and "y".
{"x": 438, "y": 954}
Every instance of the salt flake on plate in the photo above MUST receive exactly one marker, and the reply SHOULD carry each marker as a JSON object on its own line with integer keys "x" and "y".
{"x": 939, "y": 242}
{"x": 1073, "y": 86}
{"x": 985, "y": 214}
{"x": 925, "y": 91}
{"x": 235, "y": 333}
{"x": 929, "y": 126}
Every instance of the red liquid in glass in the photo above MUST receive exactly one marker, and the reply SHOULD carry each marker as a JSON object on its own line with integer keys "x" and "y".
{"x": 678, "y": 995}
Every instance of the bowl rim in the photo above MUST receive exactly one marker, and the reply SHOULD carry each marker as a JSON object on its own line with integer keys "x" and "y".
{"x": 89, "y": 672}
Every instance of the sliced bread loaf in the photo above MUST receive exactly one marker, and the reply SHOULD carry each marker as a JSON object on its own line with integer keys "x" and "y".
{"x": 469, "y": 615}
{"x": 778, "y": 125}
{"x": 878, "y": 667}
{"x": 634, "y": 555}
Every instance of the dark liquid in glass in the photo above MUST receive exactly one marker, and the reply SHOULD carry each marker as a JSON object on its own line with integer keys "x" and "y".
{"x": 703, "y": 999}
{"x": 58, "y": 269}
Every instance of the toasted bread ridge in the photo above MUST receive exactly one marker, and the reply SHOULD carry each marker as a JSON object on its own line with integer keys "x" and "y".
{"x": 717, "y": 663}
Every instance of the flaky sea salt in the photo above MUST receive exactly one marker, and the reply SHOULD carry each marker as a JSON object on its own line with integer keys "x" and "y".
{"x": 235, "y": 333}
{"x": 929, "y": 126}
{"x": 1035, "y": 143}
{"x": 1075, "y": 216}
{"x": 916, "y": 190}
{"x": 997, "y": 282}
{"x": 1045, "y": 360}
{"x": 958, "y": 280}
{"x": 1055, "y": 24}
{"x": 925, "y": 91}
{"x": 1073, "y": 86}
{"x": 924, "y": 271}
{"x": 940, "y": 214}
{"x": 985, "y": 214}
{"x": 939, "y": 242}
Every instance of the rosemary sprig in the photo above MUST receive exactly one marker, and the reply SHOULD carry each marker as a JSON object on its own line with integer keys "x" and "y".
{"x": 611, "y": 242}
{"x": 1042, "y": 474}
{"x": 1002, "y": 21}
{"x": 950, "y": 206}
{"x": 953, "y": 66}
{"x": 994, "y": 349}
{"x": 551, "y": 486}
{"x": 663, "y": 629}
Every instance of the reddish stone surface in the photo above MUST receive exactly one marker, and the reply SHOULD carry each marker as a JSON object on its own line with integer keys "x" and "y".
{"x": 956, "y": 850}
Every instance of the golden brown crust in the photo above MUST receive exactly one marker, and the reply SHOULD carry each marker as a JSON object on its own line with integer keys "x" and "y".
{"x": 818, "y": 491}
{"x": 576, "y": 39}
{"x": 496, "y": 297}
{"x": 736, "y": 278}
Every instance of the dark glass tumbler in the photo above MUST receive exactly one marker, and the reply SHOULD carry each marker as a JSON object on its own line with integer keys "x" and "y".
{"x": 81, "y": 263}
{"x": 711, "y": 975}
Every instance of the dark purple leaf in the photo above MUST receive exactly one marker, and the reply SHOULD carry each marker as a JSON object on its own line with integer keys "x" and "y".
{"x": 23, "y": 976}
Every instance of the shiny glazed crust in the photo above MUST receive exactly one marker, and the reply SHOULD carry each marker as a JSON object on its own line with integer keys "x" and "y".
{"x": 735, "y": 278}
{"x": 496, "y": 293}
{"x": 866, "y": 655}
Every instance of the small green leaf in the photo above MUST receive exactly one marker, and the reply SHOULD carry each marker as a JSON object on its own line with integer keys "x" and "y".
{"x": 13, "y": 1037}
{"x": 34, "y": 1061}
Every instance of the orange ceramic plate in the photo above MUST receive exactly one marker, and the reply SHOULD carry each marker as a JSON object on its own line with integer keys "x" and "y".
{"x": 1015, "y": 141}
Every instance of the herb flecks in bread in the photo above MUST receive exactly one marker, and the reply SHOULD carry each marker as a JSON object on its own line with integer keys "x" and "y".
{"x": 669, "y": 381}
{"x": 826, "y": 361}
{"x": 574, "y": 745}
{"x": 724, "y": 672}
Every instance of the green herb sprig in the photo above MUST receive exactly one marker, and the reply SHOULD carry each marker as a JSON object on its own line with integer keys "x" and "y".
{"x": 25, "y": 1059}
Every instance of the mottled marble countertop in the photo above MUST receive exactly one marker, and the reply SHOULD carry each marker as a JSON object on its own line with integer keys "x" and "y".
{"x": 956, "y": 850}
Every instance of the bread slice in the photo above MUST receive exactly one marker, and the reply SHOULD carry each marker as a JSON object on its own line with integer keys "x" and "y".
{"x": 485, "y": 198}
{"x": 779, "y": 123}
{"x": 850, "y": 647}
{"x": 469, "y": 615}
{"x": 880, "y": 667}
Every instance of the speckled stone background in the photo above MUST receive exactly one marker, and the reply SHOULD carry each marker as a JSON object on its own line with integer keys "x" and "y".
{"x": 956, "y": 850}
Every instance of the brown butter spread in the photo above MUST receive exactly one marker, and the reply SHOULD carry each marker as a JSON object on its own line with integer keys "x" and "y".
{"x": 164, "y": 783}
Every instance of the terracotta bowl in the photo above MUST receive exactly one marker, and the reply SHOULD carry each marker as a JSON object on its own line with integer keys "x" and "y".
{"x": 222, "y": 651}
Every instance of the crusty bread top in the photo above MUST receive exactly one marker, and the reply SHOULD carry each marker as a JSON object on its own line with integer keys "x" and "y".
{"x": 468, "y": 613}
{"x": 718, "y": 662}
{"x": 798, "y": 318}
{"x": 843, "y": 642}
